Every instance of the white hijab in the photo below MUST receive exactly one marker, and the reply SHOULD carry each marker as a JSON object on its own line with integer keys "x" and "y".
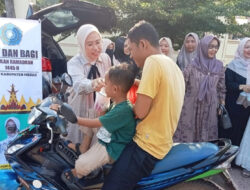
{"x": 171, "y": 49}
{"x": 81, "y": 36}
{"x": 16, "y": 121}
{"x": 240, "y": 64}
{"x": 105, "y": 44}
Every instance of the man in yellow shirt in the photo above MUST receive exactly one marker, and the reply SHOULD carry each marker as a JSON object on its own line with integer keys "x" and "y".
{"x": 159, "y": 101}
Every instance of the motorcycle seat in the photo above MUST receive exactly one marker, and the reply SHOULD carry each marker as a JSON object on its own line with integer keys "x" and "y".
{"x": 183, "y": 154}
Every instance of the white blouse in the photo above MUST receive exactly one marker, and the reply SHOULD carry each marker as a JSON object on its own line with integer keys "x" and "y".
{"x": 81, "y": 93}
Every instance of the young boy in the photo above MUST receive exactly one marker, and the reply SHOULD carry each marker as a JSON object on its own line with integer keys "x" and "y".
{"x": 159, "y": 101}
{"x": 118, "y": 121}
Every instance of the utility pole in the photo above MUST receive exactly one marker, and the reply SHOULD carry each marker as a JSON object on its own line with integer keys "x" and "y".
{"x": 10, "y": 11}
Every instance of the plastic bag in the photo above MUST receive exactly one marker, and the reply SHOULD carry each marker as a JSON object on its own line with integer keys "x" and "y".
{"x": 102, "y": 102}
{"x": 244, "y": 99}
{"x": 132, "y": 94}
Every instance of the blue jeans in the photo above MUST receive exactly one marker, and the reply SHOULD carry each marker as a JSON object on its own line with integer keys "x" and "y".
{"x": 133, "y": 164}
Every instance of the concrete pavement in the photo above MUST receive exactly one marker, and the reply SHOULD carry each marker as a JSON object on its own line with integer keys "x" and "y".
{"x": 242, "y": 183}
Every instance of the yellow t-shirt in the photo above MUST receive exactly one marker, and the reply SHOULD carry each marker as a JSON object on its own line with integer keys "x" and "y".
{"x": 163, "y": 81}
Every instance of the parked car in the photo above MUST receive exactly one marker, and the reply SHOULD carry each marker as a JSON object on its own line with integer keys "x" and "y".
{"x": 61, "y": 19}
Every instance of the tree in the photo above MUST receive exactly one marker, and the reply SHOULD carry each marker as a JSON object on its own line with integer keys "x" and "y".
{"x": 10, "y": 11}
{"x": 40, "y": 4}
{"x": 175, "y": 18}
{"x": 2, "y": 7}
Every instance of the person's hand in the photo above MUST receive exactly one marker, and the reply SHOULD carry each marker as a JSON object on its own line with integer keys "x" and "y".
{"x": 137, "y": 82}
{"x": 97, "y": 84}
{"x": 220, "y": 110}
{"x": 245, "y": 88}
{"x": 55, "y": 107}
{"x": 241, "y": 86}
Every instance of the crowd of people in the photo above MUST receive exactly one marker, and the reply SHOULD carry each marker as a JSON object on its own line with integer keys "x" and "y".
{"x": 183, "y": 93}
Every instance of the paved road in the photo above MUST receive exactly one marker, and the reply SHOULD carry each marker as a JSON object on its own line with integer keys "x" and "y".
{"x": 242, "y": 183}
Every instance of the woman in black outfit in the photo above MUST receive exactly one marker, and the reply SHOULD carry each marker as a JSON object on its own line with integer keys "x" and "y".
{"x": 237, "y": 81}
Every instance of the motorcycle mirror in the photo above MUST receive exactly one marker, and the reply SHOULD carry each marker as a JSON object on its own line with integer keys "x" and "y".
{"x": 68, "y": 113}
{"x": 67, "y": 79}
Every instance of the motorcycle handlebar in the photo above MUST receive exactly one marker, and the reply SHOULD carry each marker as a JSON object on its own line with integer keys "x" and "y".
{"x": 51, "y": 132}
{"x": 61, "y": 125}
{"x": 68, "y": 113}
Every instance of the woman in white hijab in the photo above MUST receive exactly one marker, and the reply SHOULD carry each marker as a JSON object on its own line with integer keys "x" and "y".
{"x": 86, "y": 70}
{"x": 188, "y": 50}
{"x": 108, "y": 47}
{"x": 12, "y": 127}
{"x": 238, "y": 103}
{"x": 166, "y": 47}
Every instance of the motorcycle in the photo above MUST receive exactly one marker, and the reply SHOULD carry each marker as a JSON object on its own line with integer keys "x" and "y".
{"x": 39, "y": 155}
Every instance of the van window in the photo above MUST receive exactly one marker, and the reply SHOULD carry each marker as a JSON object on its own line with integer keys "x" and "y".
{"x": 61, "y": 18}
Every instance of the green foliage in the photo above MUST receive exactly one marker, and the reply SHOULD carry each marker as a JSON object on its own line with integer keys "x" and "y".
{"x": 2, "y": 7}
{"x": 41, "y": 4}
{"x": 175, "y": 18}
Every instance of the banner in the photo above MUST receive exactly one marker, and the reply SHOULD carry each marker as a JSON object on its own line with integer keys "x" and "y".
{"x": 20, "y": 76}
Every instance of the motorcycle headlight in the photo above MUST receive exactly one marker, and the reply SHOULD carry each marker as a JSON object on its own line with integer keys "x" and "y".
{"x": 14, "y": 148}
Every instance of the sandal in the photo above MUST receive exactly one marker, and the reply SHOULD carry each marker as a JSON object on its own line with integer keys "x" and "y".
{"x": 72, "y": 182}
{"x": 77, "y": 147}
{"x": 78, "y": 151}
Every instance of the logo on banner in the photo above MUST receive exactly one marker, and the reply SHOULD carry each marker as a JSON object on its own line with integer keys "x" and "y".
{"x": 13, "y": 105}
{"x": 10, "y": 34}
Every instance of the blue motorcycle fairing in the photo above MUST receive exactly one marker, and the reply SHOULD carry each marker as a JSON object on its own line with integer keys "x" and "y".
{"x": 184, "y": 154}
{"x": 21, "y": 168}
{"x": 27, "y": 141}
{"x": 166, "y": 179}
{"x": 177, "y": 175}
{"x": 29, "y": 176}
{"x": 8, "y": 179}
